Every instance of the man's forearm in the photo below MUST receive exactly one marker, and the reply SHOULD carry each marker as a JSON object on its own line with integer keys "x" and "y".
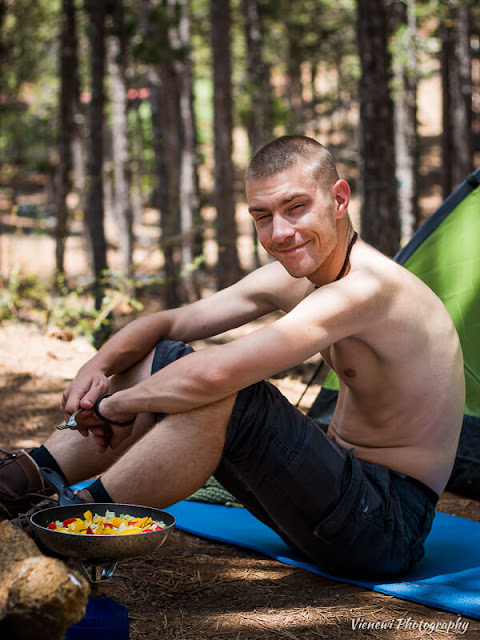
{"x": 185, "y": 384}
{"x": 130, "y": 344}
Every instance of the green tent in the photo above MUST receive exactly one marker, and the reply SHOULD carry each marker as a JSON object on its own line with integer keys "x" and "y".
{"x": 445, "y": 254}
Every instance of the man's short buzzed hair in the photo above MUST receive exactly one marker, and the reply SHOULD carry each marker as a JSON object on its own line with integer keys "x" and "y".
{"x": 283, "y": 152}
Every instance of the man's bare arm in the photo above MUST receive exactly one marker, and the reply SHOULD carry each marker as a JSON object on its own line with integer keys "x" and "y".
{"x": 260, "y": 292}
{"x": 326, "y": 316}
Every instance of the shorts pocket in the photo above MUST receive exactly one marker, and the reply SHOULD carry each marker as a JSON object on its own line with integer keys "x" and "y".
{"x": 337, "y": 518}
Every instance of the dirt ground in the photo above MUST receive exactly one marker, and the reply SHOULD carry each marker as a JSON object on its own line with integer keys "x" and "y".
{"x": 194, "y": 589}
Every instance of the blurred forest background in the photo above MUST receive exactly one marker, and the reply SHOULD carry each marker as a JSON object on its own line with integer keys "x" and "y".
{"x": 126, "y": 126}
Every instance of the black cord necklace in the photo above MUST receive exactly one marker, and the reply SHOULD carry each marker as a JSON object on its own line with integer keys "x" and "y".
{"x": 347, "y": 256}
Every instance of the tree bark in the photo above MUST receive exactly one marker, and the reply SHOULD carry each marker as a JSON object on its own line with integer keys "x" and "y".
{"x": 94, "y": 212}
{"x": 68, "y": 100}
{"x": 180, "y": 39}
{"x": 405, "y": 110}
{"x": 164, "y": 106}
{"x": 446, "y": 56}
{"x": 379, "y": 211}
{"x": 228, "y": 265}
{"x": 259, "y": 126}
{"x": 259, "y": 118}
{"x": 461, "y": 83}
{"x": 117, "y": 63}
{"x": 170, "y": 115}
{"x": 456, "y": 66}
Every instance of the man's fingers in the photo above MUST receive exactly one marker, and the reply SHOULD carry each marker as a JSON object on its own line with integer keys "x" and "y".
{"x": 84, "y": 391}
{"x": 105, "y": 436}
{"x": 74, "y": 395}
{"x": 101, "y": 436}
{"x": 118, "y": 435}
{"x": 97, "y": 389}
{"x": 102, "y": 432}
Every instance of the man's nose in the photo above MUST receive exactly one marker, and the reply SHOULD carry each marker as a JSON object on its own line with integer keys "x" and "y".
{"x": 282, "y": 229}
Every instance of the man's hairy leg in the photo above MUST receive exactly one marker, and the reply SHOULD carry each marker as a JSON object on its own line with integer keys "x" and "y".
{"x": 173, "y": 459}
{"x": 79, "y": 458}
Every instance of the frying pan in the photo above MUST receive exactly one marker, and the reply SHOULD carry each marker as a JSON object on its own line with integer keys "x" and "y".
{"x": 95, "y": 547}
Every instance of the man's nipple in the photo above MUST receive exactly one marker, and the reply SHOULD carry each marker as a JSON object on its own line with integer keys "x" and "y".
{"x": 350, "y": 373}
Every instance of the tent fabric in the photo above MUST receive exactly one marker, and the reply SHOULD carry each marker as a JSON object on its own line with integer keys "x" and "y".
{"x": 444, "y": 253}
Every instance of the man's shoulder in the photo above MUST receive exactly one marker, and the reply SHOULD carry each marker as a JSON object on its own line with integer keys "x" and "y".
{"x": 374, "y": 273}
{"x": 273, "y": 283}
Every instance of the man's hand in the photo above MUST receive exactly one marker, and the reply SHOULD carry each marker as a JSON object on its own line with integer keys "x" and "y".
{"x": 115, "y": 427}
{"x": 109, "y": 436}
{"x": 83, "y": 392}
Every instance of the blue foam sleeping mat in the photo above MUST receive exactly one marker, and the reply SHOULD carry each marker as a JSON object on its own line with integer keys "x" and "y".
{"x": 448, "y": 577}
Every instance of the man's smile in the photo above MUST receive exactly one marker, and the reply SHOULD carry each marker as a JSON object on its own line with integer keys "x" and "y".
{"x": 288, "y": 251}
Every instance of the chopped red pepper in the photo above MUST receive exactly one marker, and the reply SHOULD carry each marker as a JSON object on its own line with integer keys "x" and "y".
{"x": 89, "y": 530}
{"x": 109, "y": 525}
{"x": 52, "y": 525}
{"x": 153, "y": 527}
{"x": 68, "y": 521}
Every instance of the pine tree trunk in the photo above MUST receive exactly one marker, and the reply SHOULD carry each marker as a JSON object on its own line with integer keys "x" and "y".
{"x": 446, "y": 57}
{"x": 228, "y": 265}
{"x": 122, "y": 205}
{"x": 405, "y": 110}
{"x": 180, "y": 39}
{"x": 456, "y": 65}
{"x": 171, "y": 212}
{"x": 3, "y": 48}
{"x": 164, "y": 106}
{"x": 258, "y": 80}
{"x": 137, "y": 166}
{"x": 162, "y": 189}
{"x": 461, "y": 82}
{"x": 68, "y": 95}
{"x": 379, "y": 211}
{"x": 94, "y": 208}
{"x": 259, "y": 127}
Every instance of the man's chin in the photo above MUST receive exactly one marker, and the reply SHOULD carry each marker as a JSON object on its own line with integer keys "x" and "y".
{"x": 296, "y": 271}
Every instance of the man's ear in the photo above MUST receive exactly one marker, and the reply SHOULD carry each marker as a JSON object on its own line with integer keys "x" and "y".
{"x": 341, "y": 194}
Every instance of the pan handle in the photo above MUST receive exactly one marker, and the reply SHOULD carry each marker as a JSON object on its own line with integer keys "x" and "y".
{"x": 66, "y": 497}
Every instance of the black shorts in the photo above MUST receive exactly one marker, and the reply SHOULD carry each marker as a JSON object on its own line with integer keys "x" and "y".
{"x": 350, "y": 517}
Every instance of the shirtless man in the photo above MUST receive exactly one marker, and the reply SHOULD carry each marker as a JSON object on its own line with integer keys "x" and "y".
{"x": 358, "y": 500}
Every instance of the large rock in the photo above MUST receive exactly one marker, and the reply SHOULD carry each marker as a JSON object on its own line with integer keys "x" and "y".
{"x": 40, "y": 597}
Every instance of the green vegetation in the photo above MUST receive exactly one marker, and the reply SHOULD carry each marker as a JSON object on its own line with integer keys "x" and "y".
{"x": 69, "y": 311}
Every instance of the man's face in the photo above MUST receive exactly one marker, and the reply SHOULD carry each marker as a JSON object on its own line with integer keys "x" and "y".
{"x": 294, "y": 218}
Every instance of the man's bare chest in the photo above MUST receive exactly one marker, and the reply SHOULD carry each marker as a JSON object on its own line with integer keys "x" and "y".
{"x": 353, "y": 361}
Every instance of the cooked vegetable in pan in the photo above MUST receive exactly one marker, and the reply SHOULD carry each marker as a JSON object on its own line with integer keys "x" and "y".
{"x": 108, "y": 524}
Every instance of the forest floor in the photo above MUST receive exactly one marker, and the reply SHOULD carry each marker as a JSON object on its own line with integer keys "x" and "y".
{"x": 192, "y": 588}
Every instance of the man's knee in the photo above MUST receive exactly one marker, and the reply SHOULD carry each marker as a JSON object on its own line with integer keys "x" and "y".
{"x": 215, "y": 417}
